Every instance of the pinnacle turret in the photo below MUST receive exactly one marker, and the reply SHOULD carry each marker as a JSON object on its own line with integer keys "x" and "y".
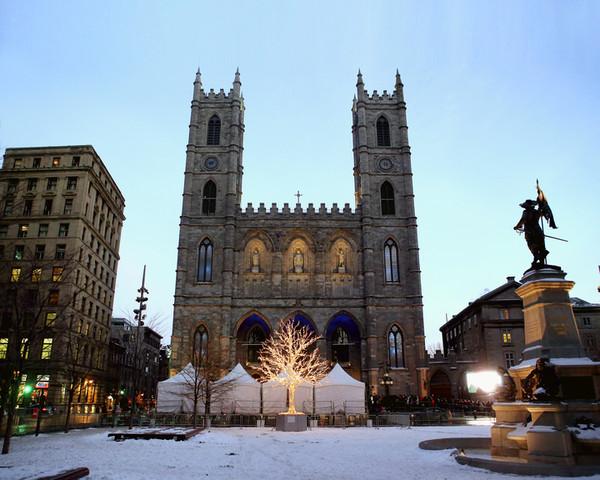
{"x": 237, "y": 83}
{"x": 360, "y": 86}
{"x": 198, "y": 86}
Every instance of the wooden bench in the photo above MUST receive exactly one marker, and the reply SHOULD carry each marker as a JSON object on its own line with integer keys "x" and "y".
{"x": 156, "y": 434}
{"x": 72, "y": 474}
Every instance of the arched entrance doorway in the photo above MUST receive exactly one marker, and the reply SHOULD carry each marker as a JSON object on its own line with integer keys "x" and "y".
{"x": 343, "y": 343}
{"x": 440, "y": 386}
{"x": 251, "y": 334}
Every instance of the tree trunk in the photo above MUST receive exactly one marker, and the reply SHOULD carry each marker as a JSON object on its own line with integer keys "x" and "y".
{"x": 195, "y": 411}
{"x": 292, "y": 399}
{"x": 12, "y": 405}
{"x": 69, "y": 403}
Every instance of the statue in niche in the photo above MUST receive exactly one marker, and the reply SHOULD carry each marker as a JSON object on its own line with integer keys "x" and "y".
{"x": 341, "y": 261}
{"x": 255, "y": 267}
{"x": 298, "y": 261}
{"x": 542, "y": 383}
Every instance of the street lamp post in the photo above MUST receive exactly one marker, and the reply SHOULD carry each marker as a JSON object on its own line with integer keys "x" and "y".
{"x": 386, "y": 381}
{"x": 139, "y": 316}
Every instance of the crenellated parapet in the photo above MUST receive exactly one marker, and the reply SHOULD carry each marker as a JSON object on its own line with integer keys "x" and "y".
{"x": 298, "y": 211}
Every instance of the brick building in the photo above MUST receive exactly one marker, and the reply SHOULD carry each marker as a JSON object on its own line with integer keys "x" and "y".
{"x": 61, "y": 215}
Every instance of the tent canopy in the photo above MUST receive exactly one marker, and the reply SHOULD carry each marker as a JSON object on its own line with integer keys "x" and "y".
{"x": 338, "y": 391}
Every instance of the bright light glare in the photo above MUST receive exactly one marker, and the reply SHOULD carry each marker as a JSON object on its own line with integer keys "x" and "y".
{"x": 486, "y": 381}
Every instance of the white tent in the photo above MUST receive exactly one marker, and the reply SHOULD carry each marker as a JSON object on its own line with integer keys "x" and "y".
{"x": 240, "y": 393}
{"x": 175, "y": 394}
{"x": 340, "y": 391}
{"x": 275, "y": 397}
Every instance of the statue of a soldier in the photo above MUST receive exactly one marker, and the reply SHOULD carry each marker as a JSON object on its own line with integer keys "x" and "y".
{"x": 531, "y": 224}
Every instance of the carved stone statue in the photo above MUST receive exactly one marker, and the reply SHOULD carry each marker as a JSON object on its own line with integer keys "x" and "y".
{"x": 534, "y": 235}
{"x": 542, "y": 383}
{"x": 506, "y": 392}
{"x": 298, "y": 261}
{"x": 341, "y": 261}
{"x": 255, "y": 268}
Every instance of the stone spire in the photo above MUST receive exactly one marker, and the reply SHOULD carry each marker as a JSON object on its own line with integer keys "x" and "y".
{"x": 360, "y": 86}
{"x": 399, "y": 89}
{"x": 237, "y": 83}
{"x": 198, "y": 86}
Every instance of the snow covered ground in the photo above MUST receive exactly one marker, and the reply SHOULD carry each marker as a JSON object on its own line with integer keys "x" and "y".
{"x": 248, "y": 454}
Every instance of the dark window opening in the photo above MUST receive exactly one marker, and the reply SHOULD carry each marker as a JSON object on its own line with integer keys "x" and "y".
{"x": 209, "y": 198}
{"x": 383, "y": 132}
{"x": 388, "y": 204}
{"x": 395, "y": 347}
{"x": 205, "y": 257}
{"x": 214, "y": 131}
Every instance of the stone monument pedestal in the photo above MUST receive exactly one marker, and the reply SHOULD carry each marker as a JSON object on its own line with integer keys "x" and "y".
{"x": 544, "y": 432}
{"x": 291, "y": 422}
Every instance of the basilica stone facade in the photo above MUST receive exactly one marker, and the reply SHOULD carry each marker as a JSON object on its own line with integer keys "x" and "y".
{"x": 351, "y": 276}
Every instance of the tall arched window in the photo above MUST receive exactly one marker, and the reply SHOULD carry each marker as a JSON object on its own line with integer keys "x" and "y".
{"x": 205, "y": 258}
{"x": 383, "y": 132}
{"x": 214, "y": 131}
{"x": 209, "y": 198}
{"x": 395, "y": 347}
{"x": 200, "y": 351}
{"x": 340, "y": 346}
{"x": 256, "y": 337}
{"x": 390, "y": 257}
{"x": 388, "y": 204}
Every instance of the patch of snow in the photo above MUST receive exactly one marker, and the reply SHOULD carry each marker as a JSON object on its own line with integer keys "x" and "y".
{"x": 565, "y": 362}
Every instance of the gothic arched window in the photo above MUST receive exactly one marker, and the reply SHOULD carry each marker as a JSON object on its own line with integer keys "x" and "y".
{"x": 383, "y": 132}
{"x": 214, "y": 131}
{"x": 209, "y": 198}
{"x": 340, "y": 346}
{"x": 256, "y": 337}
{"x": 200, "y": 351}
{"x": 388, "y": 204}
{"x": 390, "y": 257}
{"x": 205, "y": 258}
{"x": 395, "y": 347}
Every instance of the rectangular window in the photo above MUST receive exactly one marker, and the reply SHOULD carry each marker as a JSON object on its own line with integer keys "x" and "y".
{"x": 24, "y": 348}
{"x": 63, "y": 230}
{"x": 37, "y": 162}
{"x": 587, "y": 322}
{"x": 53, "y": 297}
{"x": 3, "y": 348}
{"x": 56, "y": 162}
{"x": 46, "y": 349}
{"x": 76, "y": 161}
{"x": 68, "y": 206}
{"x": 40, "y": 250}
{"x": 22, "y": 231}
{"x": 51, "y": 183}
{"x": 72, "y": 183}
{"x": 43, "y": 230}
{"x": 3, "y": 231}
{"x": 60, "y": 252}
{"x": 1, "y": 252}
{"x": 15, "y": 274}
{"x": 506, "y": 336}
{"x": 19, "y": 252}
{"x": 47, "y": 207}
{"x": 27, "y": 208}
{"x": 50, "y": 318}
{"x": 18, "y": 163}
{"x": 32, "y": 185}
{"x": 57, "y": 273}
{"x": 36, "y": 274}
{"x": 8, "y": 206}
{"x": 509, "y": 359}
{"x": 13, "y": 184}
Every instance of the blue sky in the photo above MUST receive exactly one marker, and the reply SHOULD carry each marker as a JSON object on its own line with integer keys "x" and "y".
{"x": 498, "y": 94}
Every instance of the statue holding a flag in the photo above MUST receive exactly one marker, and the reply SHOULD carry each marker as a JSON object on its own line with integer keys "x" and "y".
{"x": 532, "y": 223}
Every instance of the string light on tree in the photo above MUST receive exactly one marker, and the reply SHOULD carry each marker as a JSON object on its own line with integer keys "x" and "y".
{"x": 290, "y": 357}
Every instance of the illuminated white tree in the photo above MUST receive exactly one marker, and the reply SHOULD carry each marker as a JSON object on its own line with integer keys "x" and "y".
{"x": 290, "y": 357}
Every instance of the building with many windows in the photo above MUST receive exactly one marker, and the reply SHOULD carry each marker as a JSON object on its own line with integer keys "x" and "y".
{"x": 350, "y": 275}
{"x": 61, "y": 215}
{"x": 489, "y": 333}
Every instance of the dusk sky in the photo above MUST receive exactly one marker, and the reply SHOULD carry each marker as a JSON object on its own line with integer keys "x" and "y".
{"x": 498, "y": 94}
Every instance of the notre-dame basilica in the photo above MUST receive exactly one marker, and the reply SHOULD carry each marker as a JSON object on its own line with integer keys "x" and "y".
{"x": 352, "y": 276}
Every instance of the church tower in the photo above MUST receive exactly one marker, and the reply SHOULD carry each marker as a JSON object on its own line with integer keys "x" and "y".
{"x": 384, "y": 196}
{"x": 211, "y": 197}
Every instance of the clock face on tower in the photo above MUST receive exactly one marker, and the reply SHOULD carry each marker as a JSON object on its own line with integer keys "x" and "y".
{"x": 385, "y": 164}
{"x": 211, "y": 163}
